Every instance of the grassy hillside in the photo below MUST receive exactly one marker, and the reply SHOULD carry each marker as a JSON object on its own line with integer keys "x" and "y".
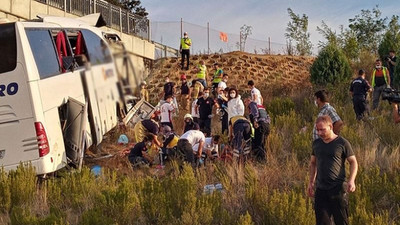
{"x": 271, "y": 193}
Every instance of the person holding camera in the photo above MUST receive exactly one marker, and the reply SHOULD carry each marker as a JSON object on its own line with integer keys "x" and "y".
{"x": 391, "y": 62}
{"x": 359, "y": 89}
{"x": 380, "y": 81}
{"x": 396, "y": 113}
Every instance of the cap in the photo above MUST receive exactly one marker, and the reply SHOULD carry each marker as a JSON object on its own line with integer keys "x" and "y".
{"x": 183, "y": 77}
{"x": 188, "y": 116}
{"x": 184, "y": 33}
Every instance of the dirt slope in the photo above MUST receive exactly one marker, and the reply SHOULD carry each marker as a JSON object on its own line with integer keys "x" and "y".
{"x": 272, "y": 74}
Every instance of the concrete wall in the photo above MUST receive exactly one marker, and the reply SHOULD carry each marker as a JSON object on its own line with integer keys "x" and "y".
{"x": 19, "y": 10}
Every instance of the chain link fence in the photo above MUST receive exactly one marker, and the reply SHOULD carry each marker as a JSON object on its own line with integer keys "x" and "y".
{"x": 208, "y": 40}
{"x": 115, "y": 17}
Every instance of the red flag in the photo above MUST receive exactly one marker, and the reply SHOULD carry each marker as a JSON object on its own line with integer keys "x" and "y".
{"x": 223, "y": 36}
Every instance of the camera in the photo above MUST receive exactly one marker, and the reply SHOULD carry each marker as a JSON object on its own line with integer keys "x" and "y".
{"x": 387, "y": 58}
{"x": 392, "y": 95}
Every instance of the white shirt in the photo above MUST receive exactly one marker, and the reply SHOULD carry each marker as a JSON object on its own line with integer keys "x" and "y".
{"x": 208, "y": 146}
{"x": 222, "y": 85}
{"x": 256, "y": 95}
{"x": 235, "y": 107}
{"x": 193, "y": 136}
{"x": 166, "y": 110}
{"x": 194, "y": 113}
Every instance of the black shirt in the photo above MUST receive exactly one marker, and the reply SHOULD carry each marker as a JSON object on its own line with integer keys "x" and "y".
{"x": 184, "y": 88}
{"x": 205, "y": 107}
{"x": 151, "y": 126}
{"x": 169, "y": 88}
{"x": 189, "y": 126}
{"x": 136, "y": 151}
{"x": 331, "y": 158}
{"x": 390, "y": 66}
{"x": 359, "y": 87}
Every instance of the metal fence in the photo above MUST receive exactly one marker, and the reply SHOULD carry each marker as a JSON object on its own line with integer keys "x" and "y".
{"x": 115, "y": 17}
{"x": 208, "y": 40}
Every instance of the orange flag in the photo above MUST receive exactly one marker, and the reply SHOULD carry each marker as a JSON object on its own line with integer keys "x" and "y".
{"x": 223, "y": 36}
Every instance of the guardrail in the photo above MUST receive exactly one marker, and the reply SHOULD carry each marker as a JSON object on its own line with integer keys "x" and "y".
{"x": 164, "y": 51}
{"x": 115, "y": 17}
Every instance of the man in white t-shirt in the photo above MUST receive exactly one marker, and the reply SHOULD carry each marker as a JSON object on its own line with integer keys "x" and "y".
{"x": 188, "y": 140}
{"x": 166, "y": 112}
{"x": 255, "y": 93}
{"x": 222, "y": 85}
{"x": 195, "y": 112}
{"x": 210, "y": 148}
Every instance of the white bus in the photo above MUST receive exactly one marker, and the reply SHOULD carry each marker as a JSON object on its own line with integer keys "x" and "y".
{"x": 58, "y": 92}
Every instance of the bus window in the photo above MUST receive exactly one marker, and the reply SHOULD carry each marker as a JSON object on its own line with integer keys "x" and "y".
{"x": 97, "y": 48}
{"x": 78, "y": 46}
{"x": 44, "y": 52}
{"x": 8, "y": 47}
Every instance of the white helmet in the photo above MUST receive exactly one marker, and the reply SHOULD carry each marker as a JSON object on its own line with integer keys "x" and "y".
{"x": 188, "y": 116}
{"x": 144, "y": 83}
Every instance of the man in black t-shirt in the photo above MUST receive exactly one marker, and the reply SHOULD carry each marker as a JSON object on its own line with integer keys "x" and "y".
{"x": 359, "y": 88}
{"x": 204, "y": 106}
{"x": 138, "y": 155}
{"x": 327, "y": 169}
{"x": 169, "y": 88}
{"x": 391, "y": 62}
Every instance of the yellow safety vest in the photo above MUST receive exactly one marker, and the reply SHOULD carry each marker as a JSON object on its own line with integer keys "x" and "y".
{"x": 384, "y": 76}
{"x": 202, "y": 73}
{"x": 186, "y": 43}
{"x": 218, "y": 76}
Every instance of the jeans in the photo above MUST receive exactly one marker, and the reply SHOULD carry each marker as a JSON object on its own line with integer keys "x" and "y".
{"x": 377, "y": 95}
{"x": 331, "y": 203}
{"x": 185, "y": 54}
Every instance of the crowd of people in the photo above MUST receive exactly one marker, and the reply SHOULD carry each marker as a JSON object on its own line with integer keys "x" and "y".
{"x": 246, "y": 123}
{"x": 201, "y": 100}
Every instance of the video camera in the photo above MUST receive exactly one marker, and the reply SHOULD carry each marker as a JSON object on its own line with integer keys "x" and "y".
{"x": 392, "y": 95}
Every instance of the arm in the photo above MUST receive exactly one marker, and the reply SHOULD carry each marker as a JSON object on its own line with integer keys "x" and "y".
{"x": 396, "y": 116}
{"x": 351, "y": 187}
{"x": 337, "y": 126}
{"x": 388, "y": 76}
{"x": 200, "y": 150}
{"x": 156, "y": 141}
{"x": 313, "y": 175}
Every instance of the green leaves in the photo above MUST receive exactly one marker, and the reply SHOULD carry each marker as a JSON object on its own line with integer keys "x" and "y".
{"x": 296, "y": 31}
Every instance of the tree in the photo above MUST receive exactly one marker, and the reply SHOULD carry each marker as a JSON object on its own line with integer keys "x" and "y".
{"x": 391, "y": 39}
{"x": 331, "y": 66}
{"x": 134, "y": 6}
{"x": 296, "y": 31}
{"x": 368, "y": 27}
{"x": 330, "y": 35}
{"x": 245, "y": 31}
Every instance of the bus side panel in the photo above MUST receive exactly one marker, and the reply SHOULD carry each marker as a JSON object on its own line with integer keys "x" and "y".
{"x": 18, "y": 140}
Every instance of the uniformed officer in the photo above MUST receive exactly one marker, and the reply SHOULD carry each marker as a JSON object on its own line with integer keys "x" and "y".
{"x": 186, "y": 42}
{"x": 359, "y": 88}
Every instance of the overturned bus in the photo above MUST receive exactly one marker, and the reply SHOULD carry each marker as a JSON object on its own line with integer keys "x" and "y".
{"x": 58, "y": 92}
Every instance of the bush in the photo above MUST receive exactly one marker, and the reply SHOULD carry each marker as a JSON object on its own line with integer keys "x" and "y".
{"x": 330, "y": 67}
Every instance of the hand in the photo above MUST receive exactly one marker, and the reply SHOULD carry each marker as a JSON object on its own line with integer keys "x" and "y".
{"x": 351, "y": 186}
{"x": 210, "y": 116}
{"x": 310, "y": 189}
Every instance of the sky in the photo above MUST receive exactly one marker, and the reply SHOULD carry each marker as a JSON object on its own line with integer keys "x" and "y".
{"x": 268, "y": 18}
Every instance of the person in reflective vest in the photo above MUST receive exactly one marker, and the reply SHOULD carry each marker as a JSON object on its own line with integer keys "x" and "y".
{"x": 380, "y": 80}
{"x": 184, "y": 49}
{"x": 218, "y": 74}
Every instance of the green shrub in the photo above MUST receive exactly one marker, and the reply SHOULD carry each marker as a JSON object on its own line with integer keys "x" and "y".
{"x": 330, "y": 67}
{"x": 23, "y": 185}
{"x": 5, "y": 193}
{"x": 280, "y": 106}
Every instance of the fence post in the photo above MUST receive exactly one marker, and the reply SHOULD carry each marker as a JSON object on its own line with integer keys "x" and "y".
{"x": 127, "y": 22}
{"x": 120, "y": 19}
{"x": 94, "y": 6}
{"x": 110, "y": 17}
{"x": 148, "y": 30}
{"x": 65, "y": 7}
{"x": 208, "y": 37}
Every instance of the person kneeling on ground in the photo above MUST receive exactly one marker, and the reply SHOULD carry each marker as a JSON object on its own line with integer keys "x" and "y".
{"x": 210, "y": 149}
{"x": 189, "y": 123}
{"x": 170, "y": 143}
{"x": 240, "y": 134}
{"x": 186, "y": 143}
{"x": 138, "y": 155}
